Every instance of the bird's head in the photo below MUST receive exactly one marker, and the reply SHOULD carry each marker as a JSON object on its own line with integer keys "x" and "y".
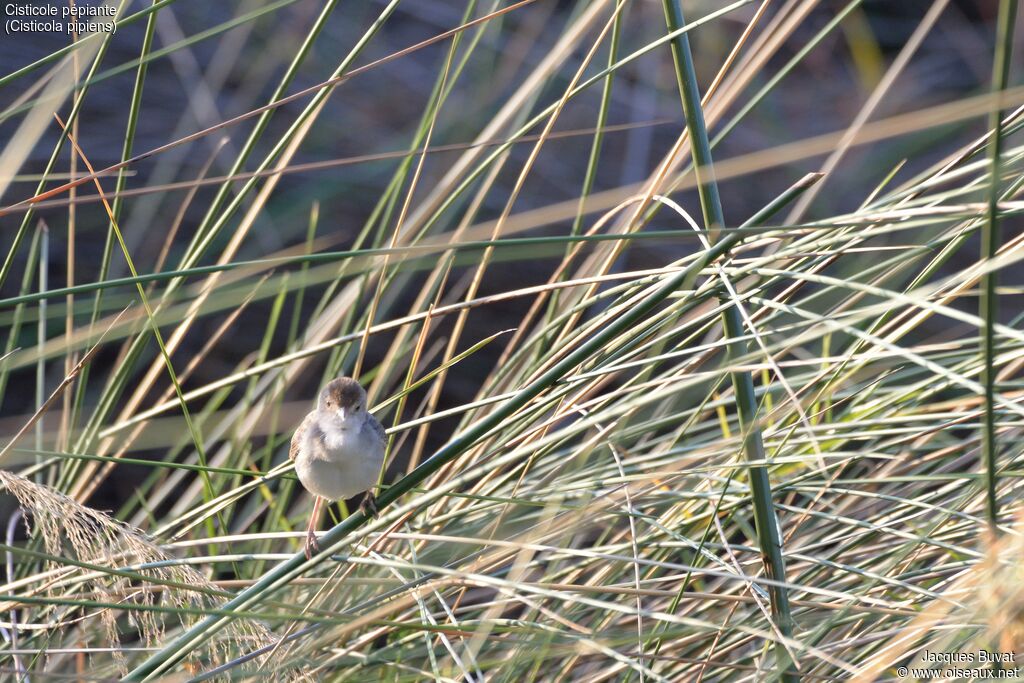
{"x": 345, "y": 399}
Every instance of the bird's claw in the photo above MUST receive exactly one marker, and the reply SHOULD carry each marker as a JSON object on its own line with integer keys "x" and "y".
{"x": 311, "y": 545}
{"x": 369, "y": 505}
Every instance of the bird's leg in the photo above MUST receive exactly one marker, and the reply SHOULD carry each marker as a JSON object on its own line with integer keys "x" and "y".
{"x": 369, "y": 504}
{"x": 314, "y": 520}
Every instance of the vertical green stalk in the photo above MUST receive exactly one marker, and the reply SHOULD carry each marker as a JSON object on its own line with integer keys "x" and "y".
{"x": 44, "y": 267}
{"x": 990, "y": 241}
{"x": 214, "y": 212}
{"x": 595, "y": 149}
{"x": 126, "y": 152}
{"x": 765, "y": 521}
{"x": 134, "y": 108}
{"x": 206, "y": 233}
{"x": 602, "y": 120}
{"x": 26, "y": 221}
{"x": 19, "y": 312}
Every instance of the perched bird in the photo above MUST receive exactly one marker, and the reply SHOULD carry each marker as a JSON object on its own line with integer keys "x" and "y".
{"x": 338, "y": 450}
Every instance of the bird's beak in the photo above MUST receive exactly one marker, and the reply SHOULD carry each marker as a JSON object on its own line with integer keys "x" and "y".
{"x": 341, "y": 414}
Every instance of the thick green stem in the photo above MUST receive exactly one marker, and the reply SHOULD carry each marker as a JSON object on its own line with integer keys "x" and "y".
{"x": 765, "y": 520}
{"x": 990, "y": 241}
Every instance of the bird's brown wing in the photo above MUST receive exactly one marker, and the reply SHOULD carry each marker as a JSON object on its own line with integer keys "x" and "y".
{"x": 299, "y": 435}
{"x": 377, "y": 427}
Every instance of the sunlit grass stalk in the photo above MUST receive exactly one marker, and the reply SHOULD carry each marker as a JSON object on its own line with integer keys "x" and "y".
{"x": 289, "y": 569}
{"x": 990, "y": 242}
{"x": 767, "y": 525}
{"x": 798, "y": 58}
{"x": 194, "y": 251}
{"x": 595, "y": 146}
{"x": 204, "y": 238}
{"x": 500, "y": 150}
{"x": 70, "y": 408}
{"x": 213, "y": 212}
{"x": 446, "y": 81}
{"x": 131, "y": 126}
{"x": 27, "y": 219}
{"x": 44, "y": 268}
{"x": 602, "y": 120}
{"x": 537, "y": 245}
{"x": 165, "y": 356}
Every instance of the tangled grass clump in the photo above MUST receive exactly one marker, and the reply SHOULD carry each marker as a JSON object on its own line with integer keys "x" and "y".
{"x": 118, "y": 568}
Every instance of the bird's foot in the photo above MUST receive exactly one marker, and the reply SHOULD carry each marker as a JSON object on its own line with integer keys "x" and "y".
{"x": 311, "y": 545}
{"x": 369, "y": 505}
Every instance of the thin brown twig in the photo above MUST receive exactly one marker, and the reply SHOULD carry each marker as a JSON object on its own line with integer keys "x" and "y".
{"x": 325, "y": 164}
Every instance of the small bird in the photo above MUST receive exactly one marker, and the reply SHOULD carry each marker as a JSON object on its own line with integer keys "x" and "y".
{"x": 338, "y": 450}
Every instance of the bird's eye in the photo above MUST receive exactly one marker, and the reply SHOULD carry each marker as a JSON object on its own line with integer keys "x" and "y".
{"x": 328, "y": 403}
{"x": 358, "y": 406}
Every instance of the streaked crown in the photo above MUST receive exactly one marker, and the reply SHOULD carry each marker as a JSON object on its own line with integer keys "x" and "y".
{"x": 342, "y": 393}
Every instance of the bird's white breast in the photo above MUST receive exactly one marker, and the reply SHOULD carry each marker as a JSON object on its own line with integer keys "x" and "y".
{"x": 339, "y": 463}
